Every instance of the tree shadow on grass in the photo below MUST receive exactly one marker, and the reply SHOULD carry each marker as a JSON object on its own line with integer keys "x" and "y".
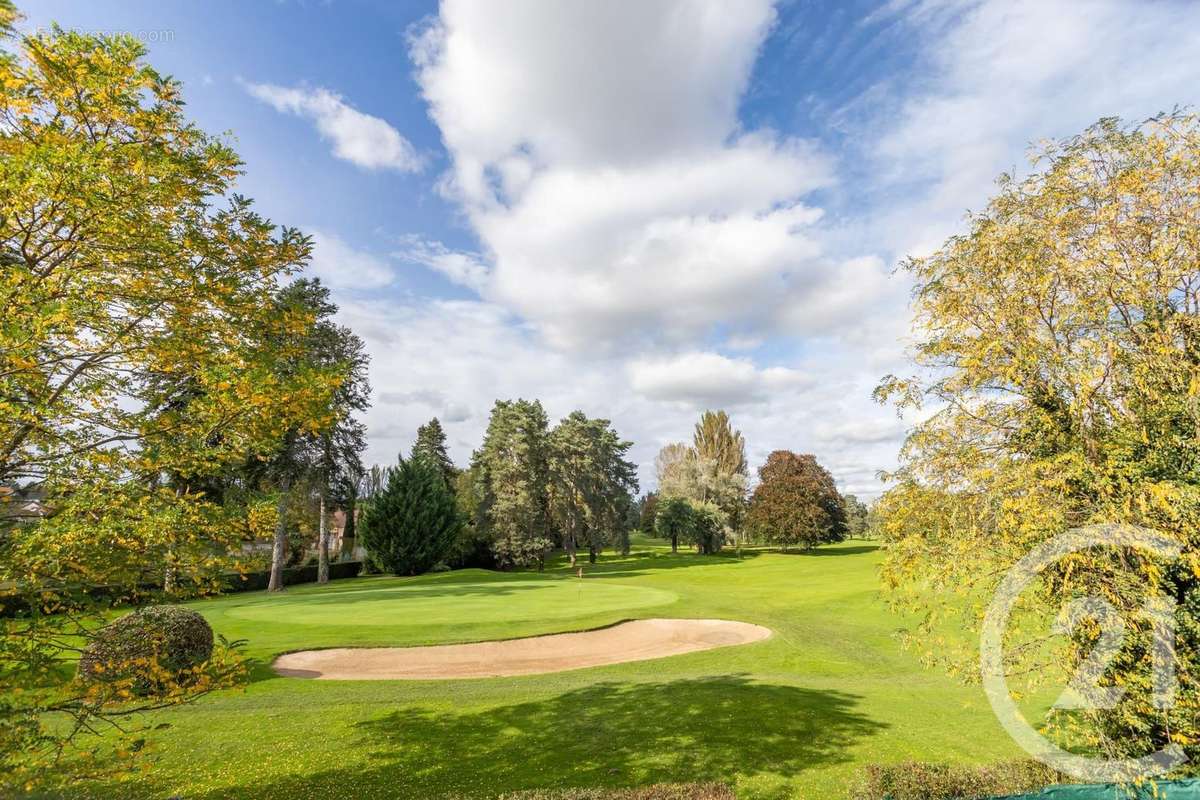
{"x": 609, "y": 734}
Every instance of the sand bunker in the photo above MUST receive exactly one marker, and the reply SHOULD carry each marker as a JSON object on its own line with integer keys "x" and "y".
{"x": 629, "y": 641}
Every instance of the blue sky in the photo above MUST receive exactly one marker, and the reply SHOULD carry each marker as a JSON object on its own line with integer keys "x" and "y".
{"x": 644, "y": 209}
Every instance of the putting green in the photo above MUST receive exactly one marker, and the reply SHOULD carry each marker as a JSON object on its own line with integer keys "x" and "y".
{"x": 417, "y": 604}
{"x": 796, "y": 715}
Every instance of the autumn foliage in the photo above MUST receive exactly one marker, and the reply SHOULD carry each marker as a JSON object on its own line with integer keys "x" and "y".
{"x": 795, "y": 503}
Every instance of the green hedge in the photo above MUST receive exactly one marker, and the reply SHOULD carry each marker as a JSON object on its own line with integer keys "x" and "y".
{"x": 255, "y": 581}
{"x": 915, "y": 780}
{"x": 659, "y": 791}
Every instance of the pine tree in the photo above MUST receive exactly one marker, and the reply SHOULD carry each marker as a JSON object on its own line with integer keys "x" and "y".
{"x": 431, "y": 443}
{"x": 513, "y": 477}
{"x": 413, "y": 524}
{"x": 590, "y": 482}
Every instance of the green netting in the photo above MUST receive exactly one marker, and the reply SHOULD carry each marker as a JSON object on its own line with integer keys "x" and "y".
{"x": 1159, "y": 790}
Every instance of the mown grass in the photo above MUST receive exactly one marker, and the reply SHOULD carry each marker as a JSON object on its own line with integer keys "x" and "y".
{"x": 794, "y": 716}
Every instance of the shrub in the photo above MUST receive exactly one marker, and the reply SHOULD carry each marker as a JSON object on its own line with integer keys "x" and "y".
{"x": 148, "y": 646}
{"x": 255, "y": 581}
{"x": 659, "y": 791}
{"x": 916, "y": 780}
{"x": 414, "y": 522}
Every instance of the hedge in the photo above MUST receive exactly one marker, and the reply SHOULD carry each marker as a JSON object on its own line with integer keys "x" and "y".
{"x": 255, "y": 581}
{"x": 915, "y": 780}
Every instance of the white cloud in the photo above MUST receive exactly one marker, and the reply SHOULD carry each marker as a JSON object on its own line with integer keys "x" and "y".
{"x": 1002, "y": 74}
{"x": 709, "y": 380}
{"x": 341, "y": 266}
{"x": 627, "y": 220}
{"x": 597, "y": 153}
{"x": 366, "y": 141}
{"x": 453, "y": 359}
{"x": 465, "y": 269}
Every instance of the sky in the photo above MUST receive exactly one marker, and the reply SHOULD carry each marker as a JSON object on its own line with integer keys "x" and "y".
{"x": 643, "y": 208}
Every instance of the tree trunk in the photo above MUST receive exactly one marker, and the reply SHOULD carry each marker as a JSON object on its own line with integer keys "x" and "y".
{"x": 569, "y": 544}
{"x": 674, "y": 543}
{"x": 169, "y": 582}
{"x": 322, "y": 543}
{"x": 592, "y": 554}
{"x": 279, "y": 548}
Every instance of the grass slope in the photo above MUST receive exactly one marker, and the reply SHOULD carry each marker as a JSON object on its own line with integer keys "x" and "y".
{"x": 793, "y": 716}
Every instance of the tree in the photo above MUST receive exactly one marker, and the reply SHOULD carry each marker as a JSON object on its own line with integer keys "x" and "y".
{"x": 713, "y": 469}
{"x": 716, "y": 440}
{"x": 413, "y": 524}
{"x": 674, "y": 520}
{"x": 344, "y": 494}
{"x": 512, "y": 470}
{"x": 706, "y": 528}
{"x": 721, "y": 453}
{"x": 649, "y": 510}
{"x": 590, "y": 481}
{"x": 673, "y": 468}
{"x": 796, "y": 502}
{"x": 326, "y": 447}
{"x": 143, "y": 359}
{"x": 856, "y": 516}
{"x": 1058, "y": 344}
{"x": 473, "y": 548}
{"x": 431, "y": 443}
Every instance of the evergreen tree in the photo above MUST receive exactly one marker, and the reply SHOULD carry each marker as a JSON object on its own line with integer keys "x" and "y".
{"x": 721, "y": 462}
{"x": 431, "y": 443}
{"x": 513, "y": 476}
{"x": 590, "y": 483}
{"x": 413, "y": 524}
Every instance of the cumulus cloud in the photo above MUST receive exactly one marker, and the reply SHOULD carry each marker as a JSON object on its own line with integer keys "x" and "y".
{"x": 629, "y": 223}
{"x": 484, "y": 353}
{"x": 341, "y": 266}
{"x": 363, "y": 140}
{"x": 710, "y": 380}
{"x": 597, "y": 153}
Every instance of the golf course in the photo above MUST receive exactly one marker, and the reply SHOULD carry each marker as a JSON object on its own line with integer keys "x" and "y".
{"x": 795, "y": 715}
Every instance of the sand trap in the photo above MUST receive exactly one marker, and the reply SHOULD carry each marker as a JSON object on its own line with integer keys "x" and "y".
{"x": 629, "y": 641}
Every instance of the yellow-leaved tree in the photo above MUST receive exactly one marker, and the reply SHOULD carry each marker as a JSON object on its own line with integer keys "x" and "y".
{"x": 1058, "y": 347}
{"x": 143, "y": 351}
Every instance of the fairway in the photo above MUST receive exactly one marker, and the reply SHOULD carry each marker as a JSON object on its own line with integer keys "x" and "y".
{"x": 792, "y": 716}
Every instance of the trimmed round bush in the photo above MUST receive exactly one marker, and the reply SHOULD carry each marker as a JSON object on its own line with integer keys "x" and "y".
{"x": 148, "y": 646}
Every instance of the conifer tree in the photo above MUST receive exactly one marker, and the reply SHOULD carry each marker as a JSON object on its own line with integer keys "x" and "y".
{"x": 431, "y": 443}
{"x": 413, "y": 524}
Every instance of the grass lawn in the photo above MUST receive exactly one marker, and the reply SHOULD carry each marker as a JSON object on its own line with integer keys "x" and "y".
{"x": 792, "y": 716}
